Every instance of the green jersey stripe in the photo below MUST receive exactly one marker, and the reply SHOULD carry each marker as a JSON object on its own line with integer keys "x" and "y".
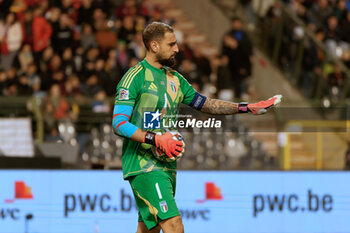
{"x": 129, "y": 73}
{"x": 132, "y": 77}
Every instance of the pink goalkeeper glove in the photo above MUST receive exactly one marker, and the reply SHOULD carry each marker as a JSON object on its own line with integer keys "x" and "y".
{"x": 260, "y": 107}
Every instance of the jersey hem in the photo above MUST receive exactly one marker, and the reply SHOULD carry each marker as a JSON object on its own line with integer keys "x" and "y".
{"x": 135, "y": 173}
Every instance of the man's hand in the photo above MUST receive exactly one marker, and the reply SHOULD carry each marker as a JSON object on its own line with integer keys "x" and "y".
{"x": 164, "y": 142}
{"x": 168, "y": 145}
{"x": 262, "y": 106}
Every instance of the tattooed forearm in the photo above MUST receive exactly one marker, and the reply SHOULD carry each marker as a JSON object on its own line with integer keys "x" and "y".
{"x": 214, "y": 106}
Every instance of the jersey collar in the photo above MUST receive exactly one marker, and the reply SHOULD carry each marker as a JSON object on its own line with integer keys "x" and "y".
{"x": 145, "y": 62}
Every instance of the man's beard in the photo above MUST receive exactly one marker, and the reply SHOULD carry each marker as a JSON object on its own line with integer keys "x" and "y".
{"x": 166, "y": 61}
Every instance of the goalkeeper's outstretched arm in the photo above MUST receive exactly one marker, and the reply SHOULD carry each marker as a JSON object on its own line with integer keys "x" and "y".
{"x": 215, "y": 106}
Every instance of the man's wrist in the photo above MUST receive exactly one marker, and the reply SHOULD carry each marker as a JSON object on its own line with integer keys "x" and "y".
{"x": 150, "y": 138}
{"x": 243, "y": 107}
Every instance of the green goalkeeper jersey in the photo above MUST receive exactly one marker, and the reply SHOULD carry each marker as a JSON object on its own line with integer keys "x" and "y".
{"x": 149, "y": 89}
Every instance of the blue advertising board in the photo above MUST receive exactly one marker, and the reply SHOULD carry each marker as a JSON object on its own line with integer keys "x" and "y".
{"x": 209, "y": 202}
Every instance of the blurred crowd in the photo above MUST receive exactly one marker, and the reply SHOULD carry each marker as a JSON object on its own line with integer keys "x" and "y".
{"x": 329, "y": 21}
{"x": 71, "y": 49}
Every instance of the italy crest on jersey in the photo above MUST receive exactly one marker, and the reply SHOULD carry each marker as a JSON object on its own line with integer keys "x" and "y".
{"x": 163, "y": 206}
{"x": 173, "y": 86}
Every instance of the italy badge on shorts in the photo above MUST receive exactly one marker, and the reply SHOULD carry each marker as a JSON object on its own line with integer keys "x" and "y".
{"x": 163, "y": 206}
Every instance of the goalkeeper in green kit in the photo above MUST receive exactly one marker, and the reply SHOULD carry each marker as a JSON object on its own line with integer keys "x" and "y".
{"x": 152, "y": 87}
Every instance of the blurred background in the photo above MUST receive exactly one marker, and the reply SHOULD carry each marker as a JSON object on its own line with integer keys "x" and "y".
{"x": 60, "y": 62}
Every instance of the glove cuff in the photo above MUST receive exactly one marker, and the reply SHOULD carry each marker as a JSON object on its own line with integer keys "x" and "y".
{"x": 243, "y": 107}
{"x": 150, "y": 138}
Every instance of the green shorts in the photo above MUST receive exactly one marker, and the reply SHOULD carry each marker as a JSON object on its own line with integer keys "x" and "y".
{"x": 154, "y": 194}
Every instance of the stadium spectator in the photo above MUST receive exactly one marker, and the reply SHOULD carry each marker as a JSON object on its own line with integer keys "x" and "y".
{"x": 122, "y": 56}
{"x": 335, "y": 80}
{"x": 54, "y": 21}
{"x": 85, "y": 12}
{"x": 312, "y": 64}
{"x": 28, "y": 27}
{"x": 128, "y": 8}
{"x": 25, "y": 57}
{"x": 45, "y": 59}
{"x": 100, "y": 103}
{"x": 90, "y": 87}
{"x": 11, "y": 82}
{"x": 332, "y": 29}
{"x": 345, "y": 28}
{"x": 340, "y": 10}
{"x": 127, "y": 31}
{"x": 41, "y": 34}
{"x": 3, "y": 83}
{"x": 50, "y": 124}
{"x": 238, "y": 48}
{"x": 136, "y": 46}
{"x": 273, "y": 17}
{"x": 202, "y": 63}
{"x": 78, "y": 59}
{"x": 67, "y": 62}
{"x": 87, "y": 38}
{"x": 229, "y": 49}
{"x": 223, "y": 79}
{"x": 71, "y": 86}
{"x": 189, "y": 70}
{"x": 105, "y": 79}
{"x": 100, "y": 19}
{"x": 148, "y": 9}
{"x": 34, "y": 80}
{"x": 64, "y": 33}
{"x": 11, "y": 40}
{"x": 23, "y": 87}
{"x": 55, "y": 105}
{"x": 18, "y": 7}
{"x": 319, "y": 12}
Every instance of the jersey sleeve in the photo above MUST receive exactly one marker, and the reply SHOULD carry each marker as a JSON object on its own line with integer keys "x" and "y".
{"x": 121, "y": 118}
{"x": 191, "y": 97}
{"x": 129, "y": 86}
{"x": 128, "y": 89}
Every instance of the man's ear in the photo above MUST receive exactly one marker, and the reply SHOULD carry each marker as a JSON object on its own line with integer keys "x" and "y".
{"x": 154, "y": 45}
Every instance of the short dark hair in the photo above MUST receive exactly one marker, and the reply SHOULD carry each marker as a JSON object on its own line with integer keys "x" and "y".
{"x": 155, "y": 31}
{"x": 236, "y": 18}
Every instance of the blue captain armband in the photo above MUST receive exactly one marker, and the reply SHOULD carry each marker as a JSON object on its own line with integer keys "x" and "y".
{"x": 121, "y": 118}
{"x": 198, "y": 101}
